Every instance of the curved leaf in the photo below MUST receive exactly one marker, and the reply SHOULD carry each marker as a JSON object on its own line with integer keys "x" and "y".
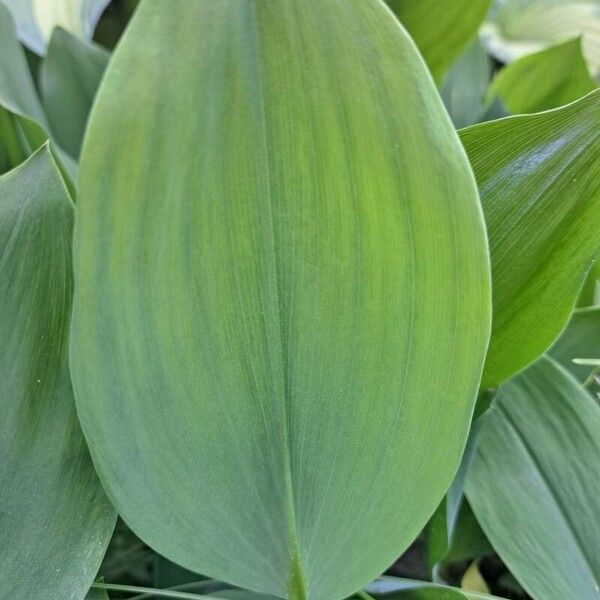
{"x": 516, "y": 28}
{"x": 36, "y": 19}
{"x": 55, "y": 520}
{"x": 266, "y": 255}
{"x": 19, "y": 98}
{"x": 537, "y": 177}
{"x": 69, "y": 79}
{"x": 535, "y": 482}
{"x": 441, "y": 30}
{"x": 544, "y": 80}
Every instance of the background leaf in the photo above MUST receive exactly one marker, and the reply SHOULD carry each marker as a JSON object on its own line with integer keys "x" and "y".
{"x": 544, "y": 80}
{"x": 581, "y": 339}
{"x": 55, "y": 521}
{"x": 535, "y": 483}
{"x": 69, "y": 79}
{"x": 441, "y": 30}
{"x": 466, "y": 84}
{"x": 36, "y": 19}
{"x": 516, "y": 28}
{"x": 266, "y": 255}
{"x": 537, "y": 177}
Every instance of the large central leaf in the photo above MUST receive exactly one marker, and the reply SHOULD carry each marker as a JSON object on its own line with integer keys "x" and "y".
{"x": 282, "y": 290}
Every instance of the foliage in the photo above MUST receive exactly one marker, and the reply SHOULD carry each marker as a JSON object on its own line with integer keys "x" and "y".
{"x": 334, "y": 275}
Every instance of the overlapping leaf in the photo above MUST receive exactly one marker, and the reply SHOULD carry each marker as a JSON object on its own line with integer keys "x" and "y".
{"x": 516, "y": 28}
{"x": 538, "y": 179}
{"x": 55, "y": 520}
{"x": 70, "y": 75}
{"x": 544, "y": 80}
{"x": 282, "y": 290}
{"x": 36, "y": 19}
{"x": 581, "y": 339}
{"x": 22, "y": 118}
{"x": 441, "y": 30}
{"x": 535, "y": 482}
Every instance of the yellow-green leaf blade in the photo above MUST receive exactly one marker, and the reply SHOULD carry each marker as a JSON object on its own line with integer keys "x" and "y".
{"x": 266, "y": 256}
{"x": 537, "y": 177}
{"x": 55, "y": 520}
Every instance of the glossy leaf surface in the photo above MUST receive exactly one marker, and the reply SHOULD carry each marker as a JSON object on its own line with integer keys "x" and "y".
{"x": 538, "y": 180}
{"x": 55, "y": 520}
{"x": 441, "y": 30}
{"x": 70, "y": 75}
{"x": 397, "y": 588}
{"x": 547, "y": 79}
{"x": 266, "y": 254}
{"x": 535, "y": 482}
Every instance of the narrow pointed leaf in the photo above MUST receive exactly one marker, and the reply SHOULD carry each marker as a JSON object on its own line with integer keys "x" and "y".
{"x": 70, "y": 75}
{"x": 544, "y": 80}
{"x": 534, "y": 483}
{"x": 441, "y": 30}
{"x": 537, "y": 177}
{"x": 266, "y": 256}
{"x": 55, "y": 520}
{"x": 19, "y": 97}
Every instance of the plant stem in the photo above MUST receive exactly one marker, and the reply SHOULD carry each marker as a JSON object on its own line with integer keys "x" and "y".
{"x": 364, "y": 596}
{"x": 115, "y": 587}
{"x": 212, "y": 584}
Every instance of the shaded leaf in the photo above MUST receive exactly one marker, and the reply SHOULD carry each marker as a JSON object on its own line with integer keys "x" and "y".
{"x": 19, "y": 98}
{"x": 441, "y": 30}
{"x": 538, "y": 181}
{"x": 534, "y": 483}
{"x": 55, "y": 518}
{"x": 266, "y": 255}
{"x": 70, "y": 75}
{"x": 465, "y": 86}
{"x": 547, "y": 79}
{"x": 581, "y": 339}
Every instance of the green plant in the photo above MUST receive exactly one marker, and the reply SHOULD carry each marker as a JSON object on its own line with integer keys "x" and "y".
{"x": 261, "y": 299}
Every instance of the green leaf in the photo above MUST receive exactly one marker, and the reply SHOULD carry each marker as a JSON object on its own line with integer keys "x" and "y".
{"x": 396, "y": 588}
{"x": 266, "y": 256}
{"x": 18, "y": 96}
{"x": 537, "y": 177}
{"x": 241, "y": 595}
{"x": 55, "y": 518}
{"x": 69, "y": 79}
{"x": 544, "y": 80}
{"x": 581, "y": 339}
{"x": 97, "y": 595}
{"x": 533, "y": 483}
{"x": 590, "y": 293}
{"x": 441, "y": 30}
{"x": 36, "y": 19}
{"x": 465, "y": 86}
{"x": 516, "y": 28}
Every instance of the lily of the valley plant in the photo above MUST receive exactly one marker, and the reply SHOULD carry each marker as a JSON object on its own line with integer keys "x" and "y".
{"x": 260, "y": 299}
